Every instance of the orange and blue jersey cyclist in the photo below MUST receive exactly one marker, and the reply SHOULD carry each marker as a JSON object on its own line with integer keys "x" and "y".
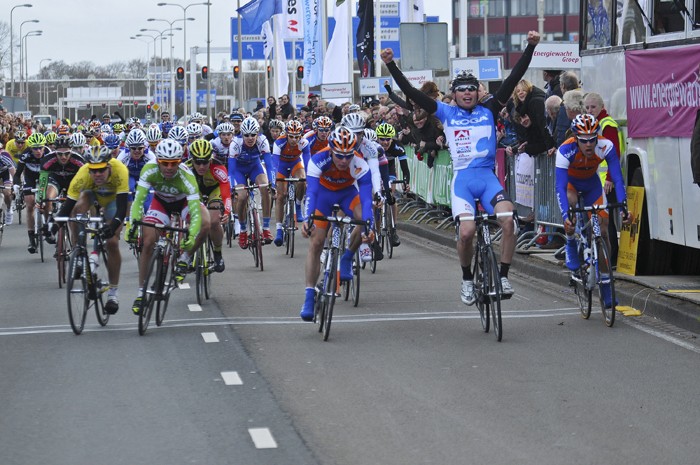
{"x": 290, "y": 155}
{"x": 337, "y": 175}
{"x": 576, "y": 171}
{"x": 318, "y": 137}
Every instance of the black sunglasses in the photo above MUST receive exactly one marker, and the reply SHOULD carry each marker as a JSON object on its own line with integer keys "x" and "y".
{"x": 201, "y": 162}
{"x": 469, "y": 87}
{"x": 589, "y": 140}
{"x": 98, "y": 170}
{"x": 344, "y": 156}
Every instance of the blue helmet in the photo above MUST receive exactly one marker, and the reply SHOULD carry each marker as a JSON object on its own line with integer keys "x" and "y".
{"x": 112, "y": 141}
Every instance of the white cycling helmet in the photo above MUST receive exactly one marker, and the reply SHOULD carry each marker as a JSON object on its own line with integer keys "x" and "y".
{"x": 196, "y": 117}
{"x": 250, "y": 126}
{"x": 225, "y": 128}
{"x": 106, "y": 128}
{"x": 194, "y": 130}
{"x": 153, "y": 134}
{"x": 77, "y": 139}
{"x": 178, "y": 133}
{"x": 370, "y": 134}
{"x": 169, "y": 149}
{"x": 136, "y": 137}
{"x": 354, "y": 122}
{"x": 354, "y": 108}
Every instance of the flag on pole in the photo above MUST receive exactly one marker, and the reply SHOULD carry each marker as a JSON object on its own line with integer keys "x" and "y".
{"x": 313, "y": 47}
{"x": 293, "y": 29}
{"x": 365, "y": 38}
{"x": 280, "y": 61}
{"x": 336, "y": 64}
{"x": 267, "y": 39}
{"x": 256, "y": 12}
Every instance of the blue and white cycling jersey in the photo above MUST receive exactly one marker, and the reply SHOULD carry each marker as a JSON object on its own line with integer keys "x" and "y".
{"x": 471, "y": 135}
{"x": 221, "y": 151}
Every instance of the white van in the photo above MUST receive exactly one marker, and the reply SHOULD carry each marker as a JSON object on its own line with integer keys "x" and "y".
{"x": 46, "y": 120}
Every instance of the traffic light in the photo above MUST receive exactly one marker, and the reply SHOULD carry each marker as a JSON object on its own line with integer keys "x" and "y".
{"x": 269, "y": 71}
{"x": 180, "y": 73}
{"x": 300, "y": 72}
{"x": 136, "y": 104}
{"x": 205, "y": 72}
{"x": 148, "y": 108}
{"x": 88, "y": 105}
{"x": 104, "y": 105}
{"x": 119, "y": 104}
{"x": 236, "y": 71}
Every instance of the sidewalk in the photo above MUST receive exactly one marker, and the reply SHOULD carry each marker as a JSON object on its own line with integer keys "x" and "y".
{"x": 672, "y": 299}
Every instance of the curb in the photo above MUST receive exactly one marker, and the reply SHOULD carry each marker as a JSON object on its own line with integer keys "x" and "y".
{"x": 648, "y": 300}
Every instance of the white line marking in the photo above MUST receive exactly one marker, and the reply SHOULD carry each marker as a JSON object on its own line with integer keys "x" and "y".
{"x": 194, "y": 307}
{"x": 262, "y": 438}
{"x": 210, "y": 337}
{"x": 663, "y": 335}
{"x": 184, "y": 285}
{"x": 231, "y": 378}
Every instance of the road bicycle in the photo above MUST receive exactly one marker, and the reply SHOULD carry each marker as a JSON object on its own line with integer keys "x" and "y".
{"x": 595, "y": 268}
{"x": 289, "y": 221}
{"x": 84, "y": 286}
{"x": 230, "y": 230}
{"x": 19, "y": 204}
{"x": 63, "y": 243}
{"x": 352, "y": 287}
{"x": 39, "y": 227}
{"x": 255, "y": 233}
{"x": 161, "y": 274}
{"x": 388, "y": 223}
{"x": 330, "y": 282}
{"x": 487, "y": 279}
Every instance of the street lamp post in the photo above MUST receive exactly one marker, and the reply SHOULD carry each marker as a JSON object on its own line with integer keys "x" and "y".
{"x": 26, "y": 68}
{"x": 148, "y": 62}
{"x": 21, "y": 55}
{"x": 172, "y": 63}
{"x": 160, "y": 33}
{"x": 44, "y": 97}
{"x": 184, "y": 46}
{"x": 12, "y": 57}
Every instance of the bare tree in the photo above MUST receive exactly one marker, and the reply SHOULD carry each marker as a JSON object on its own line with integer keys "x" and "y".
{"x": 4, "y": 47}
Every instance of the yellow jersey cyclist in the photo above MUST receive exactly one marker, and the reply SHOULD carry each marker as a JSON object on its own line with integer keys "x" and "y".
{"x": 215, "y": 192}
{"x": 16, "y": 146}
{"x": 175, "y": 191}
{"x": 29, "y": 165}
{"x": 103, "y": 181}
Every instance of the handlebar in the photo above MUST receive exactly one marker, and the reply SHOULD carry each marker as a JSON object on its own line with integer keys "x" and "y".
{"x": 341, "y": 220}
{"x": 486, "y": 216}
{"x": 597, "y": 208}
{"x": 83, "y": 219}
{"x": 161, "y": 227}
{"x": 292, "y": 179}
{"x": 249, "y": 187}
{"x": 398, "y": 181}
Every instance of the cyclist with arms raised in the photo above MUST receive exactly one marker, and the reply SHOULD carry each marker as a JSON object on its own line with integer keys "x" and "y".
{"x": 576, "y": 171}
{"x": 470, "y": 127}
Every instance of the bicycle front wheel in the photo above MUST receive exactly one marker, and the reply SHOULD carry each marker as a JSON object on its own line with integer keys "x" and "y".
{"x": 77, "y": 290}
{"x": 168, "y": 283}
{"x": 355, "y": 283}
{"x": 330, "y": 294}
{"x": 495, "y": 292}
{"x": 604, "y": 263}
{"x": 208, "y": 264}
{"x": 257, "y": 227}
{"x": 481, "y": 290}
{"x": 199, "y": 273}
{"x": 62, "y": 256}
{"x": 150, "y": 292}
{"x": 39, "y": 233}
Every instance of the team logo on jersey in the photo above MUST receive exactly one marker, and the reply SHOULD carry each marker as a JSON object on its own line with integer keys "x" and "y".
{"x": 462, "y": 134}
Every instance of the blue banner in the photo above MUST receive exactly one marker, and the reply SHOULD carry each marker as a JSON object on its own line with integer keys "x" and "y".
{"x": 255, "y": 13}
{"x": 313, "y": 46}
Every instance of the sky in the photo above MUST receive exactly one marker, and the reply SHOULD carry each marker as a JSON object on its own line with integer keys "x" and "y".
{"x": 99, "y": 30}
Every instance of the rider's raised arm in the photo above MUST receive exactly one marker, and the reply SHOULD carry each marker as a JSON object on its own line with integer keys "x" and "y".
{"x": 506, "y": 89}
{"x": 415, "y": 95}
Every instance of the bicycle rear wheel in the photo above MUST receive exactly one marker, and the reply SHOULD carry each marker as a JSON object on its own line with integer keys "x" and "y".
{"x": 2, "y": 223}
{"x": 495, "y": 292}
{"x": 168, "y": 283}
{"x": 290, "y": 235}
{"x": 38, "y": 232}
{"x": 480, "y": 290}
{"x": 329, "y": 302}
{"x": 199, "y": 273}
{"x": 604, "y": 263}
{"x": 258, "y": 239}
{"x": 77, "y": 290}
{"x": 208, "y": 263}
{"x": 151, "y": 290}
{"x": 390, "y": 227}
{"x": 581, "y": 281}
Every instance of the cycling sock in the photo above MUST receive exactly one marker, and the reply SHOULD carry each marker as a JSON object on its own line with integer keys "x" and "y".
{"x": 467, "y": 274}
{"x": 244, "y": 225}
{"x": 113, "y": 290}
{"x": 217, "y": 249}
{"x": 266, "y": 222}
{"x": 505, "y": 267}
{"x": 279, "y": 226}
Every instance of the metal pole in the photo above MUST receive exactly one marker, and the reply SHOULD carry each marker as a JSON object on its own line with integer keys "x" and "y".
{"x": 485, "y": 4}
{"x": 184, "y": 58}
{"x": 463, "y": 32}
{"x": 208, "y": 59}
{"x": 377, "y": 38}
{"x": 540, "y": 17}
{"x": 12, "y": 47}
{"x": 172, "y": 78}
{"x": 240, "y": 61}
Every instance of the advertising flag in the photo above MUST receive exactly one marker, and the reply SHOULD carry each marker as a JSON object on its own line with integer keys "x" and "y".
{"x": 255, "y": 13}
{"x": 365, "y": 38}
{"x": 313, "y": 46}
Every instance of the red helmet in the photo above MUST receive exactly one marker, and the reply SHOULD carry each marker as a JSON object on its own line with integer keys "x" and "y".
{"x": 294, "y": 128}
{"x": 584, "y": 125}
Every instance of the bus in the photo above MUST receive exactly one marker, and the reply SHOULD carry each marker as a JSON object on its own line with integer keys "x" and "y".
{"x": 643, "y": 57}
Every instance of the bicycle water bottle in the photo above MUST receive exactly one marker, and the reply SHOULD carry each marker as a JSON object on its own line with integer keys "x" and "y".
{"x": 94, "y": 262}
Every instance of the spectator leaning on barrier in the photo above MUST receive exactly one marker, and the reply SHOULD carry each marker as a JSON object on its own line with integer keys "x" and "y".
{"x": 572, "y": 103}
{"x": 529, "y": 102}
{"x": 551, "y": 106}
{"x": 594, "y": 105}
{"x": 568, "y": 82}
{"x": 552, "y": 86}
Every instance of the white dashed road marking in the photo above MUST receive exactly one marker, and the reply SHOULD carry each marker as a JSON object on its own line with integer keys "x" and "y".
{"x": 184, "y": 285}
{"x": 231, "y": 378}
{"x": 210, "y": 337}
{"x": 262, "y": 438}
{"x": 194, "y": 307}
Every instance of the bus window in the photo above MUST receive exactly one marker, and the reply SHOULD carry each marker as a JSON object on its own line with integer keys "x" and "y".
{"x": 668, "y": 17}
{"x": 633, "y": 26}
{"x": 599, "y": 19}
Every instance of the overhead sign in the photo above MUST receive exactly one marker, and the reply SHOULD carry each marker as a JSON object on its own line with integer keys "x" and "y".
{"x": 342, "y": 90}
{"x": 202, "y": 97}
{"x": 375, "y": 85}
{"x": 556, "y": 55}
{"x": 485, "y": 69}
